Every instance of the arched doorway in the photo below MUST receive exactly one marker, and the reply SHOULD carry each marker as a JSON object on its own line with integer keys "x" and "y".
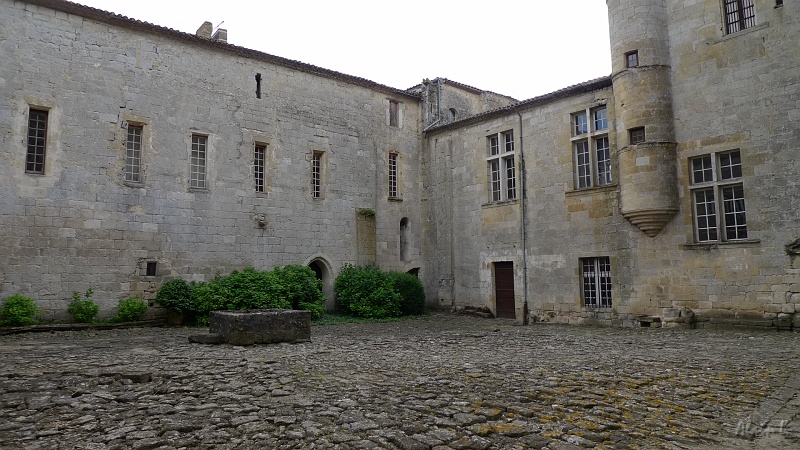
{"x": 322, "y": 270}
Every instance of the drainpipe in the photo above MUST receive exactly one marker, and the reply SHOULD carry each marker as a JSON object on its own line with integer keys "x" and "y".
{"x": 438, "y": 105}
{"x": 522, "y": 223}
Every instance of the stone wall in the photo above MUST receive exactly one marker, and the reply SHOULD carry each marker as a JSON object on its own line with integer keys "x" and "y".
{"x": 81, "y": 226}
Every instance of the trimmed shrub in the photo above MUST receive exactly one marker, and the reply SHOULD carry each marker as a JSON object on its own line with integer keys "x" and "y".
{"x": 176, "y": 294}
{"x": 301, "y": 288}
{"x": 248, "y": 289}
{"x": 411, "y": 291}
{"x": 18, "y": 311}
{"x": 83, "y": 311}
{"x": 366, "y": 291}
{"x": 130, "y": 309}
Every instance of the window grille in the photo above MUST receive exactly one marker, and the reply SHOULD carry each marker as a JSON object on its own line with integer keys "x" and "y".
{"x": 393, "y": 175}
{"x": 316, "y": 175}
{"x": 596, "y": 282}
{"x": 133, "y": 154}
{"x": 739, "y": 15}
{"x": 197, "y": 177}
{"x": 259, "y": 159}
{"x": 37, "y": 141}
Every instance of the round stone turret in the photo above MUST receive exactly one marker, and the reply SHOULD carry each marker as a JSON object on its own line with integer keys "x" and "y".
{"x": 644, "y": 120}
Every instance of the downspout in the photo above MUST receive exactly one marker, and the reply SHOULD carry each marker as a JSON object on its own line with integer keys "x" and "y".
{"x": 438, "y": 105}
{"x": 522, "y": 223}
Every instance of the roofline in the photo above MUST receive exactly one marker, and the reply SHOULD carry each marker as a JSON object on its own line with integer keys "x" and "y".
{"x": 576, "y": 89}
{"x": 138, "y": 25}
{"x": 463, "y": 87}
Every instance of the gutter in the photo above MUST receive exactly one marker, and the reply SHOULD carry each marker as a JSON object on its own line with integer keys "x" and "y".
{"x": 523, "y": 237}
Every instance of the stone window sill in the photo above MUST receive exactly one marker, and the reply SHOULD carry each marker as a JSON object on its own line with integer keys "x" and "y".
{"x": 500, "y": 203}
{"x": 592, "y": 190}
{"x": 723, "y": 244}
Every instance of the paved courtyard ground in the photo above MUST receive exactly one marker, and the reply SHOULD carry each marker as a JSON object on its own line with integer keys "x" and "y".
{"x": 440, "y": 382}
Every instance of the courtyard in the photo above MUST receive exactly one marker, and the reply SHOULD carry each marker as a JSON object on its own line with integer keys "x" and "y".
{"x": 437, "y": 382}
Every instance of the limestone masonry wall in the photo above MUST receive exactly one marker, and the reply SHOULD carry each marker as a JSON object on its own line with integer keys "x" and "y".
{"x": 666, "y": 194}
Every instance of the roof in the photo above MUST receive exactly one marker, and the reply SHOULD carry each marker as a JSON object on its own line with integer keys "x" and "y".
{"x": 138, "y": 25}
{"x": 576, "y": 89}
{"x": 462, "y": 86}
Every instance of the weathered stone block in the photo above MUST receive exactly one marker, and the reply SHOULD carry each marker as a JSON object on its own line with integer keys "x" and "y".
{"x": 261, "y": 326}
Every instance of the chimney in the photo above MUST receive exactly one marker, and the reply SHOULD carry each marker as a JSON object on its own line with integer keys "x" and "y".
{"x": 220, "y": 35}
{"x": 205, "y": 30}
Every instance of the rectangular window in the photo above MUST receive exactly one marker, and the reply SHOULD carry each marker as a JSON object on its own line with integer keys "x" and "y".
{"x": 739, "y": 15}
{"x": 133, "y": 154}
{"x": 197, "y": 163}
{"x": 394, "y": 113}
{"x": 151, "y": 268}
{"x": 596, "y": 282}
{"x": 393, "y": 175}
{"x": 316, "y": 175}
{"x": 259, "y": 160}
{"x": 591, "y": 149}
{"x": 717, "y": 178}
{"x": 603, "y": 159}
{"x": 37, "y": 141}
{"x": 636, "y": 135}
{"x": 502, "y": 167}
{"x": 632, "y": 59}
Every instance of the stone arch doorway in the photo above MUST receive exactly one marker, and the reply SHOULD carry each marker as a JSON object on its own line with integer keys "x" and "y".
{"x": 323, "y": 271}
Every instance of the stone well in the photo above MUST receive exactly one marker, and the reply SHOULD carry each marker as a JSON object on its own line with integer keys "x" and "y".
{"x": 257, "y": 326}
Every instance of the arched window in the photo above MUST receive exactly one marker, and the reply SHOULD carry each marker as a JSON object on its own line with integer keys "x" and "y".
{"x": 451, "y": 115}
{"x": 405, "y": 238}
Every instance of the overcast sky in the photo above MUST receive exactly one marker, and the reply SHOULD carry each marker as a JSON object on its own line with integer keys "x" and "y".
{"x": 521, "y": 48}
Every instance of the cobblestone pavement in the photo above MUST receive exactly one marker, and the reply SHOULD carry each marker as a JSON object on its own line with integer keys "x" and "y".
{"x": 440, "y": 382}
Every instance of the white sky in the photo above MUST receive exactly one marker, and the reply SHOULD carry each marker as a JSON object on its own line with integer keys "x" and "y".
{"x": 521, "y": 48}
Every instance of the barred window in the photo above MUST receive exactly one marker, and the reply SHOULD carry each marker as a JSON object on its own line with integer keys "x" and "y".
{"x": 197, "y": 163}
{"x": 717, "y": 178}
{"x": 259, "y": 158}
{"x": 393, "y": 193}
{"x": 501, "y": 166}
{"x": 590, "y": 148}
{"x": 596, "y": 282}
{"x": 133, "y": 154}
{"x": 37, "y": 141}
{"x": 739, "y": 15}
{"x": 316, "y": 174}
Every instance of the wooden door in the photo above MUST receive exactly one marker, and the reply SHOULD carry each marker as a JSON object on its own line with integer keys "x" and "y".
{"x": 504, "y": 290}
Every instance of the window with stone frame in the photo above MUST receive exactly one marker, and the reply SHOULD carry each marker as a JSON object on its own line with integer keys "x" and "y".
{"x": 596, "y": 282}
{"x": 590, "y": 148}
{"x": 394, "y": 113}
{"x": 316, "y": 174}
{"x": 632, "y": 59}
{"x": 501, "y": 166}
{"x": 717, "y": 194}
{"x": 259, "y": 166}
{"x": 197, "y": 162}
{"x": 739, "y": 15}
{"x": 133, "y": 153}
{"x": 37, "y": 141}
{"x": 393, "y": 172}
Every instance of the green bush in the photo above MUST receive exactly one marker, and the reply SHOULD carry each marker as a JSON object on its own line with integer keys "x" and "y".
{"x": 411, "y": 291}
{"x": 19, "y": 310}
{"x": 301, "y": 288}
{"x": 248, "y": 289}
{"x": 130, "y": 309}
{"x": 366, "y": 291}
{"x": 176, "y": 295}
{"x": 83, "y": 311}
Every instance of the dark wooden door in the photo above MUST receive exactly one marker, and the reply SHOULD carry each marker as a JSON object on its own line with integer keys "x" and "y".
{"x": 504, "y": 290}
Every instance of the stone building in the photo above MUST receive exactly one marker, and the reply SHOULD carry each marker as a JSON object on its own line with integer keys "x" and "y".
{"x": 666, "y": 193}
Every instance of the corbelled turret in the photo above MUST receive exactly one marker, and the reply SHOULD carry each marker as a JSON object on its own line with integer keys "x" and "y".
{"x": 644, "y": 122}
